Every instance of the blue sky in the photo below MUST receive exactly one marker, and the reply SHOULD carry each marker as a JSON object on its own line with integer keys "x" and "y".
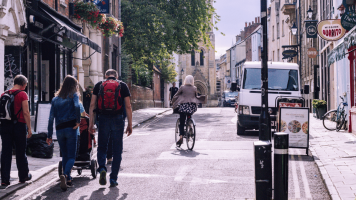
{"x": 233, "y": 15}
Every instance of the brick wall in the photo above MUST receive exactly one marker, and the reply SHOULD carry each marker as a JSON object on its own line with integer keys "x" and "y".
{"x": 141, "y": 97}
{"x": 64, "y": 10}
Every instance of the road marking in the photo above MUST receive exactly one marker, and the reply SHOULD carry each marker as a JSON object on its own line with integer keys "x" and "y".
{"x": 38, "y": 189}
{"x": 182, "y": 172}
{"x": 134, "y": 175}
{"x": 205, "y": 155}
{"x": 234, "y": 120}
{"x": 304, "y": 177}
{"x": 200, "y": 181}
{"x": 295, "y": 177}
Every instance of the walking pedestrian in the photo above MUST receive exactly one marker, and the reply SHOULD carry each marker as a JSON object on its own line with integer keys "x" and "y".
{"x": 65, "y": 110}
{"x": 15, "y": 131}
{"x": 185, "y": 101}
{"x": 108, "y": 100}
{"x": 172, "y": 91}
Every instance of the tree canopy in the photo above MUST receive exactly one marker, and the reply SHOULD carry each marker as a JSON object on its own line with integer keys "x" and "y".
{"x": 154, "y": 29}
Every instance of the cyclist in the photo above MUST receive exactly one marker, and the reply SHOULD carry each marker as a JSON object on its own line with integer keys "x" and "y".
{"x": 185, "y": 102}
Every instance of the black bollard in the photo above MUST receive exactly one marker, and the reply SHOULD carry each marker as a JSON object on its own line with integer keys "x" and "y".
{"x": 263, "y": 169}
{"x": 281, "y": 157}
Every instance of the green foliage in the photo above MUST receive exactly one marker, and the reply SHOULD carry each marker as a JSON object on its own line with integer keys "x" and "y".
{"x": 157, "y": 28}
{"x": 126, "y": 61}
{"x": 319, "y": 103}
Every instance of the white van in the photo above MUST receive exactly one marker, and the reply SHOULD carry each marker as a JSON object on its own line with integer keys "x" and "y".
{"x": 283, "y": 80}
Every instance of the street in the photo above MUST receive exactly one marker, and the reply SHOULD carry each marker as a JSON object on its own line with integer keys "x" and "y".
{"x": 219, "y": 167}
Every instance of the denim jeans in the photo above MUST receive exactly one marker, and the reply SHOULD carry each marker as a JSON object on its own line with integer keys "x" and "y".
{"x": 110, "y": 127}
{"x": 13, "y": 134}
{"x": 67, "y": 139}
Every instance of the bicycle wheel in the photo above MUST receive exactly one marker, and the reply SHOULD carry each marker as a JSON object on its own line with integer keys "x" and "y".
{"x": 190, "y": 134}
{"x": 176, "y": 134}
{"x": 330, "y": 120}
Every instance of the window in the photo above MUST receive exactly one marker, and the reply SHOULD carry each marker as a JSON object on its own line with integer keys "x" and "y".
{"x": 282, "y": 28}
{"x": 278, "y": 55}
{"x": 201, "y": 57}
{"x": 272, "y": 33}
{"x": 278, "y": 30}
{"x": 193, "y": 58}
{"x": 273, "y": 56}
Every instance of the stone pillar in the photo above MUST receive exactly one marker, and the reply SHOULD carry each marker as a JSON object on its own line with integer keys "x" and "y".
{"x": 93, "y": 71}
{"x": 3, "y": 34}
{"x": 99, "y": 60}
{"x": 77, "y": 62}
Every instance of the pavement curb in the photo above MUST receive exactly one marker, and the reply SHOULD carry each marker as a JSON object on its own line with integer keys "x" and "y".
{"x": 14, "y": 188}
{"x": 334, "y": 195}
{"x": 145, "y": 120}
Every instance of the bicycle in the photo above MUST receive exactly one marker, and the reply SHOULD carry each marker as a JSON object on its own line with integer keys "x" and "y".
{"x": 336, "y": 119}
{"x": 189, "y": 131}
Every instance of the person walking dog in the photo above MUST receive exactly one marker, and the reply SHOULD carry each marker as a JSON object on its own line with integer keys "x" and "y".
{"x": 108, "y": 100}
{"x": 15, "y": 128}
{"x": 65, "y": 110}
{"x": 185, "y": 101}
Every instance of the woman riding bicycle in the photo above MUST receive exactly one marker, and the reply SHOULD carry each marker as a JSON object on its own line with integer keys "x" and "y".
{"x": 185, "y": 102}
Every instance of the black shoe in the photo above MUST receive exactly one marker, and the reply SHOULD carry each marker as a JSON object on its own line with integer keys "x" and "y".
{"x": 5, "y": 184}
{"x": 180, "y": 142}
{"x": 102, "y": 179}
{"x": 70, "y": 184}
{"x": 29, "y": 177}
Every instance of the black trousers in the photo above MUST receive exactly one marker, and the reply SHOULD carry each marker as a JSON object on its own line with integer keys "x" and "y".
{"x": 182, "y": 119}
{"x": 13, "y": 134}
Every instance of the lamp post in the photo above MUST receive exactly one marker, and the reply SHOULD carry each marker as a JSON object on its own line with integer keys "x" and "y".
{"x": 182, "y": 72}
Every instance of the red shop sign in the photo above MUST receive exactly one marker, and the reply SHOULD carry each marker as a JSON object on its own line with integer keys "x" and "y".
{"x": 331, "y": 30}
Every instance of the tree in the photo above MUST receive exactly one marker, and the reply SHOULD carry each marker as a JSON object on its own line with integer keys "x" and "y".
{"x": 154, "y": 29}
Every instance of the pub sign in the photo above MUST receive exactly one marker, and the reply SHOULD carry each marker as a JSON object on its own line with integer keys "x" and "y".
{"x": 103, "y": 5}
{"x": 311, "y": 28}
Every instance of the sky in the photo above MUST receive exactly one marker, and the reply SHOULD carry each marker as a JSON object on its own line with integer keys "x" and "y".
{"x": 233, "y": 15}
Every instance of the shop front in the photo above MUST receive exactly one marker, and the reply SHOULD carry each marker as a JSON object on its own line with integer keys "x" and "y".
{"x": 48, "y": 55}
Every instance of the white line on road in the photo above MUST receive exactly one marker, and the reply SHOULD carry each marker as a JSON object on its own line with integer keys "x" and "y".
{"x": 304, "y": 177}
{"x": 182, "y": 172}
{"x": 234, "y": 120}
{"x": 295, "y": 177}
{"x": 38, "y": 189}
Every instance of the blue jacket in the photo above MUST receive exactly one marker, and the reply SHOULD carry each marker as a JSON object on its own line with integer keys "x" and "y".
{"x": 63, "y": 110}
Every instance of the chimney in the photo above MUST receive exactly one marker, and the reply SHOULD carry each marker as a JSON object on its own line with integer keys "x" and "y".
{"x": 253, "y": 22}
{"x": 249, "y": 24}
{"x": 259, "y": 20}
{"x": 256, "y": 20}
{"x": 245, "y": 24}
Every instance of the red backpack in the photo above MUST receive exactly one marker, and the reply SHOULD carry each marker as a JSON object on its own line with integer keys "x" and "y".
{"x": 109, "y": 97}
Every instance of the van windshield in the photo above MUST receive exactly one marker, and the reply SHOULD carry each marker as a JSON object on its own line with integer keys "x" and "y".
{"x": 278, "y": 79}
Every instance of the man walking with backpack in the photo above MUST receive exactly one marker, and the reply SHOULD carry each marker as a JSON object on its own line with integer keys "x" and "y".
{"x": 108, "y": 100}
{"x": 15, "y": 126}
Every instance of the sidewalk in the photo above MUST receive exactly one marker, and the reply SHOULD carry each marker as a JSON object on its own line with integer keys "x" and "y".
{"x": 335, "y": 154}
{"x": 41, "y": 167}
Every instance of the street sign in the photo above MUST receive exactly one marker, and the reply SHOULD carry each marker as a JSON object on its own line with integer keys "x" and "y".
{"x": 295, "y": 121}
{"x": 311, "y": 28}
{"x": 289, "y": 54}
{"x": 348, "y": 20}
{"x": 331, "y": 30}
{"x": 312, "y": 53}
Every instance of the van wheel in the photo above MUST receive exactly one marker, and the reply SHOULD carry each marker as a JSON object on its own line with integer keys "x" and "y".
{"x": 240, "y": 129}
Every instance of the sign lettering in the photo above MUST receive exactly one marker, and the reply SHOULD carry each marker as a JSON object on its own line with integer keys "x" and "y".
{"x": 331, "y": 30}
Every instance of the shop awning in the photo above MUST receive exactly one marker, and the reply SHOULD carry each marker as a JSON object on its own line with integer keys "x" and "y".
{"x": 339, "y": 52}
{"x": 74, "y": 34}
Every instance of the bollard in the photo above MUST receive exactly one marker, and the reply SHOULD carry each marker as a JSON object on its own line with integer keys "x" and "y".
{"x": 281, "y": 157}
{"x": 263, "y": 169}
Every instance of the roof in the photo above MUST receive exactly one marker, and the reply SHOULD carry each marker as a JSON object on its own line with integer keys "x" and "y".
{"x": 242, "y": 41}
{"x": 272, "y": 65}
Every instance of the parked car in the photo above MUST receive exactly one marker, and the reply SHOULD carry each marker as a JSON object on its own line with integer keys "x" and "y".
{"x": 229, "y": 98}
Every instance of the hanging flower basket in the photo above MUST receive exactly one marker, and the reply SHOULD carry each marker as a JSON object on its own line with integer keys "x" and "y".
{"x": 111, "y": 27}
{"x": 88, "y": 12}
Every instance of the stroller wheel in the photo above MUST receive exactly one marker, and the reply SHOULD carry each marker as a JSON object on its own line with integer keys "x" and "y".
{"x": 93, "y": 168}
{"x": 79, "y": 171}
{"x": 60, "y": 168}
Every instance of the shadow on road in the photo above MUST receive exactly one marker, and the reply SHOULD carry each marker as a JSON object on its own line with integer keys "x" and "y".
{"x": 186, "y": 153}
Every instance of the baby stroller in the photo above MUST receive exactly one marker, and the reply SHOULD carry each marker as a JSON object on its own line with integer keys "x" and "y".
{"x": 84, "y": 151}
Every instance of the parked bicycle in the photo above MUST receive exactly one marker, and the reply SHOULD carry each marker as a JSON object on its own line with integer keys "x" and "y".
{"x": 336, "y": 119}
{"x": 189, "y": 131}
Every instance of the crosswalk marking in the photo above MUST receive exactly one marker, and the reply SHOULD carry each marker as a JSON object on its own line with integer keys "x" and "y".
{"x": 182, "y": 172}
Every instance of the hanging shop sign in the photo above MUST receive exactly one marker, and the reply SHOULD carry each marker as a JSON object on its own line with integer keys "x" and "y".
{"x": 289, "y": 54}
{"x": 348, "y": 20}
{"x": 312, "y": 53}
{"x": 331, "y": 30}
{"x": 311, "y": 28}
{"x": 103, "y": 5}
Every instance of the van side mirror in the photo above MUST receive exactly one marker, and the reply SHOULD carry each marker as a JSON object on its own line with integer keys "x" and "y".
{"x": 306, "y": 89}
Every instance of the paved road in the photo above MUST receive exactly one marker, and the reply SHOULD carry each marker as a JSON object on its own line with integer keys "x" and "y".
{"x": 220, "y": 167}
